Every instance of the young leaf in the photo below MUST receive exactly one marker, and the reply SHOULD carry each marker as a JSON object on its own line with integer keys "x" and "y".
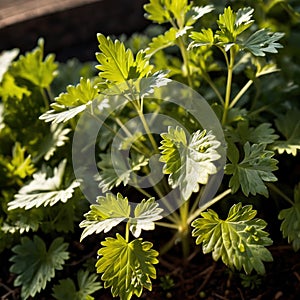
{"x": 44, "y": 190}
{"x": 189, "y": 163}
{"x": 108, "y": 176}
{"x": 289, "y": 126}
{"x": 19, "y": 165}
{"x": 157, "y": 12}
{"x": 197, "y": 12}
{"x": 203, "y": 38}
{"x": 33, "y": 68}
{"x": 71, "y": 103}
{"x": 239, "y": 240}
{"x": 250, "y": 174}
{"x": 117, "y": 64}
{"x": 35, "y": 265}
{"x": 127, "y": 267}
{"x": 109, "y": 212}
{"x": 66, "y": 289}
{"x": 290, "y": 217}
{"x": 145, "y": 214}
{"x": 162, "y": 41}
{"x": 263, "y": 41}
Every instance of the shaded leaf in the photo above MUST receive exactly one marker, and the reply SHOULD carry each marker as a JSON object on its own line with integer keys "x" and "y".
{"x": 35, "y": 265}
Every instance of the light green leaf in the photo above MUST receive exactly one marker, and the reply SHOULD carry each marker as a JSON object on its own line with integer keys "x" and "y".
{"x": 263, "y": 41}
{"x": 110, "y": 177}
{"x": 87, "y": 285}
{"x": 262, "y": 134}
{"x": 10, "y": 89}
{"x": 109, "y": 212}
{"x": 250, "y": 174}
{"x": 117, "y": 64}
{"x": 34, "y": 265}
{"x": 239, "y": 240}
{"x": 189, "y": 163}
{"x": 145, "y": 214}
{"x": 127, "y": 267}
{"x": 197, "y": 12}
{"x": 289, "y": 126}
{"x": 44, "y": 190}
{"x": 72, "y": 102}
{"x": 33, "y": 68}
{"x": 6, "y": 58}
{"x": 203, "y": 38}
{"x": 167, "y": 39}
{"x": 157, "y": 12}
{"x": 290, "y": 217}
{"x": 19, "y": 165}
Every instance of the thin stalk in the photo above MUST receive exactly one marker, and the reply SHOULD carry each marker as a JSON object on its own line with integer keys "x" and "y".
{"x": 208, "y": 204}
{"x": 228, "y": 84}
{"x": 185, "y": 58}
{"x": 167, "y": 225}
{"x": 213, "y": 86}
{"x": 240, "y": 93}
{"x": 127, "y": 232}
{"x": 275, "y": 189}
{"x": 184, "y": 228}
{"x": 45, "y": 98}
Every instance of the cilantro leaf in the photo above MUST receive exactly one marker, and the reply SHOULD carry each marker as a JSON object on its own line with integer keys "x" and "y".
{"x": 239, "y": 240}
{"x": 35, "y": 265}
{"x": 127, "y": 267}
{"x": 189, "y": 163}
{"x": 109, "y": 177}
{"x": 69, "y": 104}
{"x": 109, "y": 212}
{"x": 263, "y": 41}
{"x": 250, "y": 173}
{"x": 290, "y": 217}
{"x": 145, "y": 214}
{"x": 289, "y": 126}
{"x": 87, "y": 285}
{"x": 44, "y": 190}
{"x": 157, "y": 12}
{"x": 117, "y": 64}
{"x": 19, "y": 165}
{"x": 203, "y": 38}
{"x": 262, "y": 134}
{"x": 32, "y": 67}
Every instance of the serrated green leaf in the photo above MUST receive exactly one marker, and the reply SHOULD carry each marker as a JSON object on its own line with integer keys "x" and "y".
{"x": 121, "y": 172}
{"x": 239, "y": 240}
{"x": 262, "y": 134}
{"x": 19, "y": 165}
{"x": 71, "y": 103}
{"x": 87, "y": 285}
{"x": 232, "y": 24}
{"x": 290, "y": 217}
{"x": 203, "y": 38}
{"x": 165, "y": 40}
{"x": 10, "y": 89}
{"x": 127, "y": 267}
{"x": 44, "y": 190}
{"x": 33, "y": 68}
{"x": 109, "y": 212}
{"x": 289, "y": 126}
{"x": 6, "y": 58}
{"x": 117, "y": 63}
{"x": 250, "y": 174}
{"x": 145, "y": 214}
{"x": 57, "y": 137}
{"x": 263, "y": 41}
{"x": 157, "y": 12}
{"x": 189, "y": 163}
{"x": 34, "y": 265}
{"x": 197, "y": 12}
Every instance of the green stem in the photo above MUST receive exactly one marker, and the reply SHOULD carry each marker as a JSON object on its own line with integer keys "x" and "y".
{"x": 275, "y": 189}
{"x": 167, "y": 225}
{"x": 185, "y": 58}
{"x": 240, "y": 93}
{"x": 127, "y": 232}
{"x": 184, "y": 228}
{"x": 208, "y": 204}
{"x": 213, "y": 86}
{"x": 230, "y": 65}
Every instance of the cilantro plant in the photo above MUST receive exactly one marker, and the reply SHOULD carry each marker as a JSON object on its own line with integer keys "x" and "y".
{"x": 222, "y": 54}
